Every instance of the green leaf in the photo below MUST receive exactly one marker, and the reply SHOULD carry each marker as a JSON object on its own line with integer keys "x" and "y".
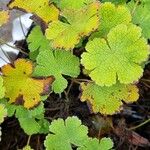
{"x": 108, "y": 100}
{"x": 141, "y": 17}
{"x": 119, "y": 57}
{"x": 31, "y": 121}
{"x": 79, "y": 23}
{"x": 44, "y": 126}
{"x": 65, "y": 133}
{"x": 37, "y": 42}
{"x": 111, "y": 16}
{"x": 33, "y": 125}
{"x": 116, "y": 1}
{"x": 29, "y": 125}
{"x": 95, "y": 144}
{"x": 2, "y": 88}
{"x": 3, "y": 112}
{"x": 71, "y": 4}
{"x": 57, "y": 63}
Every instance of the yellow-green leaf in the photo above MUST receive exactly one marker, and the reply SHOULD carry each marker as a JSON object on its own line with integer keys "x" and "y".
{"x": 2, "y": 88}
{"x": 119, "y": 57}
{"x": 79, "y": 23}
{"x": 111, "y": 16}
{"x": 108, "y": 100}
{"x": 21, "y": 88}
{"x": 42, "y": 8}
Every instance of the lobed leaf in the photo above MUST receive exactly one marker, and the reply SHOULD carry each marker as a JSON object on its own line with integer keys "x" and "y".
{"x": 108, "y": 100}
{"x": 141, "y": 16}
{"x": 96, "y": 144}
{"x": 4, "y": 16}
{"x": 37, "y": 42}
{"x": 111, "y": 16}
{"x": 57, "y": 63}
{"x": 42, "y": 8}
{"x": 21, "y": 88}
{"x": 119, "y": 57}
{"x": 65, "y": 133}
{"x": 79, "y": 23}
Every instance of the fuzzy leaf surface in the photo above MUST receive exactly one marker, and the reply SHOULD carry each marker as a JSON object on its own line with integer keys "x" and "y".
{"x": 111, "y": 16}
{"x": 108, "y": 100}
{"x": 57, "y": 63}
{"x": 80, "y": 23}
{"x": 42, "y": 8}
{"x": 117, "y": 58}
{"x": 66, "y": 133}
{"x": 95, "y": 144}
{"x": 20, "y": 86}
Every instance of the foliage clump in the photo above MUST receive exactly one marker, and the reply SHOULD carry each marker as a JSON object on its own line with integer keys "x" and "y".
{"x": 100, "y": 48}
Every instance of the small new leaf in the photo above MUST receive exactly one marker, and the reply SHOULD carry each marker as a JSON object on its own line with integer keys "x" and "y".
{"x": 111, "y": 16}
{"x": 27, "y": 147}
{"x": 65, "y": 133}
{"x": 42, "y": 8}
{"x": 57, "y": 63}
{"x": 108, "y": 100}
{"x": 21, "y": 88}
{"x": 79, "y": 23}
{"x": 96, "y": 144}
{"x": 119, "y": 57}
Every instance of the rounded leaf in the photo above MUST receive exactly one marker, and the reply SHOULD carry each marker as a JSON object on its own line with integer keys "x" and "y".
{"x": 119, "y": 57}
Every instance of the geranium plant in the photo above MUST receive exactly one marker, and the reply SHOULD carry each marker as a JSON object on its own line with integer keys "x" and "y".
{"x": 99, "y": 46}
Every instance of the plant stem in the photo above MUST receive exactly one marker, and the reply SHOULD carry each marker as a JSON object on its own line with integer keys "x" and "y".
{"x": 140, "y": 125}
{"x": 134, "y": 8}
{"x": 28, "y": 142}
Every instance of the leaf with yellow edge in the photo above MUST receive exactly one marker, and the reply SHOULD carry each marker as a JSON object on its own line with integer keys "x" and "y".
{"x": 108, "y": 100}
{"x": 111, "y": 16}
{"x": 20, "y": 86}
{"x": 4, "y": 16}
{"x": 80, "y": 23}
{"x": 42, "y": 8}
{"x": 126, "y": 46}
{"x": 2, "y": 88}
